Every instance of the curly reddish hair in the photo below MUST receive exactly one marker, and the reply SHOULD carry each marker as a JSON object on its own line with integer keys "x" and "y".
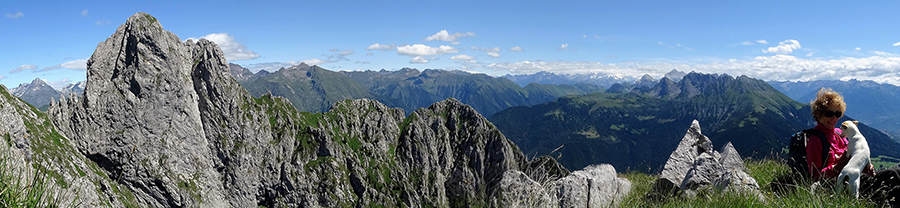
{"x": 826, "y": 98}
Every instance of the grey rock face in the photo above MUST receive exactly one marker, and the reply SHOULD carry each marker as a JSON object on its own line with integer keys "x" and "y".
{"x": 32, "y": 146}
{"x": 37, "y": 93}
{"x": 694, "y": 166}
{"x": 166, "y": 120}
{"x": 594, "y": 186}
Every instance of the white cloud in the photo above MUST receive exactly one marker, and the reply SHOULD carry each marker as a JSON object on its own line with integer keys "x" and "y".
{"x": 233, "y": 50}
{"x": 346, "y": 52}
{"x": 2, "y": 77}
{"x": 494, "y": 49}
{"x": 857, "y": 49}
{"x": 17, "y": 15}
{"x": 810, "y": 54}
{"x": 517, "y": 48}
{"x": 381, "y": 47}
{"x": 584, "y": 36}
{"x": 493, "y": 54}
{"x": 80, "y": 64}
{"x": 455, "y": 42}
{"x": 419, "y": 60}
{"x": 896, "y": 44}
{"x": 58, "y": 84}
{"x": 882, "y": 53}
{"x": 762, "y": 41}
{"x": 778, "y": 67}
{"x": 23, "y": 68}
{"x": 315, "y": 62}
{"x": 747, "y": 43}
{"x": 84, "y": 13}
{"x": 565, "y": 47}
{"x": 370, "y": 54}
{"x": 443, "y": 35}
{"x": 462, "y": 57}
{"x": 270, "y": 66}
{"x": 784, "y": 47}
{"x": 423, "y": 50}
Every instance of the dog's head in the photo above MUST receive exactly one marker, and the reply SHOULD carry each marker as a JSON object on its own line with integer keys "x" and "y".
{"x": 849, "y": 129}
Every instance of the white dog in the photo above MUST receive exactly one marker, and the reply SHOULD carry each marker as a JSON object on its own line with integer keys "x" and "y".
{"x": 859, "y": 158}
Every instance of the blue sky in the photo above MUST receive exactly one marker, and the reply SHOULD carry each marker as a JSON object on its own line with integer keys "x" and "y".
{"x": 770, "y": 40}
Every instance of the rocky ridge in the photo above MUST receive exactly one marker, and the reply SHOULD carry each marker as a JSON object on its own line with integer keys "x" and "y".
{"x": 166, "y": 119}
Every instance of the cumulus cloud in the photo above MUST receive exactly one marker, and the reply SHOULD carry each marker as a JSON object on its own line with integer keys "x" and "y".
{"x": 494, "y": 49}
{"x": 58, "y": 84}
{"x": 784, "y": 47}
{"x": 419, "y": 60}
{"x": 493, "y": 54}
{"x": 80, "y": 64}
{"x": 233, "y": 50}
{"x": 517, "y": 48}
{"x": 84, "y": 13}
{"x": 270, "y": 66}
{"x": 762, "y": 41}
{"x": 17, "y": 15}
{"x": 381, "y": 47}
{"x": 462, "y": 57}
{"x": 315, "y": 61}
{"x": 423, "y": 50}
{"x": 778, "y": 67}
{"x": 443, "y": 35}
{"x": 565, "y": 47}
{"x": 23, "y": 68}
{"x": 882, "y": 53}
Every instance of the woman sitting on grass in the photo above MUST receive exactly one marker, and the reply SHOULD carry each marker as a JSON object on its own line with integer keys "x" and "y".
{"x": 827, "y": 109}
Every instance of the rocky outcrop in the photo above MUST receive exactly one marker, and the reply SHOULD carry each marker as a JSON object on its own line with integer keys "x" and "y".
{"x": 33, "y": 151}
{"x": 695, "y": 166}
{"x": 593, "y": 186}
{"x": 166, "y": 119}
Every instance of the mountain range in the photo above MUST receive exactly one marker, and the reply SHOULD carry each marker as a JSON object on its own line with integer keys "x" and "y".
{"x": 637, "y": 129}
{"x": 314, "y": 89}
{"x": 39, "y": 93}
{"x": 872, "y": 103}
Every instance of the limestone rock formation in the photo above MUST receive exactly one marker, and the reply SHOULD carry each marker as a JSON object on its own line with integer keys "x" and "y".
{"x": 594, "y": 186}
{"x": 695, "y": 166}
{"x": 168, "y": 122}
{"x": 33, "y": 148}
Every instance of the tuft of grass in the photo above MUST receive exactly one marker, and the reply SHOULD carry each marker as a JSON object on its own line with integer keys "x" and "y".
{"x": 24, "y": 188}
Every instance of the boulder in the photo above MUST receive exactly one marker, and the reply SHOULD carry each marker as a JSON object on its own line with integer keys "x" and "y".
{"x": 594, "y": 186}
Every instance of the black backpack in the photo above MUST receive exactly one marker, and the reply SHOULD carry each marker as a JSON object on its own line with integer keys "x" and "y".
{"x": 797, "y": 151}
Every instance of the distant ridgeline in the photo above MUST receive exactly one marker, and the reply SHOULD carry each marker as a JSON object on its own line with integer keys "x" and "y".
{"x": 872, "y": 103}
{"x": 638, "y": 126}
{"x": 314, "y": 89}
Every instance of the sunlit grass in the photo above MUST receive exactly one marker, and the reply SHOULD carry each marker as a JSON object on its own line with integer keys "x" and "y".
{"x": 764, "y": 171}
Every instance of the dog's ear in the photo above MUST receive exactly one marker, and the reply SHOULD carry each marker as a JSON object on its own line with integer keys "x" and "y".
{"x": 856, "y": 122}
